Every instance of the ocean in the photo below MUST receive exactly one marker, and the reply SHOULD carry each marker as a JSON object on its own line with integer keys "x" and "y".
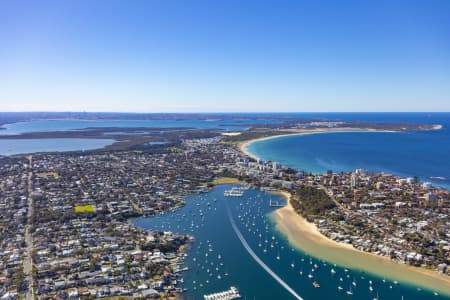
{"x": 218, "y": 259}
{"x": 407, "y": 154}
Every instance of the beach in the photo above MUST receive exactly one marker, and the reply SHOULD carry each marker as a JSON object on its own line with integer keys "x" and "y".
{"x": 305, "y": 236}
{"x": 243, "y": 145}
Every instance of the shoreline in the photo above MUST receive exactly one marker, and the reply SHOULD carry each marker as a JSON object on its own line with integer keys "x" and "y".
{"x": 244, "y": 145}
{"x": 307, "y": 237}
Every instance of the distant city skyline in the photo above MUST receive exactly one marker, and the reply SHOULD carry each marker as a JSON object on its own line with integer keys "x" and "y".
{"x": 225, "y": 56}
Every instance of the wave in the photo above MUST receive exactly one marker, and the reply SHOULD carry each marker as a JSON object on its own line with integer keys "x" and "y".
{"x": 438, "y": 178}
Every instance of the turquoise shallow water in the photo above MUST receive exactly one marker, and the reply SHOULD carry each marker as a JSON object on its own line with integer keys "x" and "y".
{"x": 218, "y": 251}
{"x": 424, "y": 153}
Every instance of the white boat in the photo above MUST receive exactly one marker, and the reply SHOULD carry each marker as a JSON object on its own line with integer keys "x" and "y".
{"x": 376, "y": 298}
{"x": 234, "y": 192}
{"x": 349, "y": 292}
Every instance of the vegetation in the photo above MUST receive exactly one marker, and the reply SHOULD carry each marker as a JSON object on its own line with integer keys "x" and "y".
{"x": 225, "y": 180}
{"x": 253, "y": 134}
{"x": 309, "y": 200}
{"x": 84, "y": 208}
{"x": 176, "y": 150}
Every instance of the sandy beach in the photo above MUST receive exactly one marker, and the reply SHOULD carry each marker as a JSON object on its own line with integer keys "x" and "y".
{"x": 305, "y": 236}
{"x": 244, "y": 145}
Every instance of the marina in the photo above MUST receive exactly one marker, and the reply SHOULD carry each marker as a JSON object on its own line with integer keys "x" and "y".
{"x": 230, "y": 294}
{"x": 218, "y": 258}
{"x": 234, "y": 192}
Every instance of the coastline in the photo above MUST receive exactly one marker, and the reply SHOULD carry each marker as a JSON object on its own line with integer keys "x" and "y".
{"x": 306, "y": 237}
{"x": 244, "y": 145}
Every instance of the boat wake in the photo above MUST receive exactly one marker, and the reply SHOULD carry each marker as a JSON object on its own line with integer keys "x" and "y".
{"x": 258, "y": 260}
{"x": 438, "y": 177}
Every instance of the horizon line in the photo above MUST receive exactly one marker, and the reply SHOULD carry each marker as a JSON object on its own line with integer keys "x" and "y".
{"x": 223, "y": 112}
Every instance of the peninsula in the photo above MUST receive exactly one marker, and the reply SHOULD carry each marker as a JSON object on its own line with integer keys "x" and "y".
{"x": 65, "y": 230}
{"x": 380, "y": 223}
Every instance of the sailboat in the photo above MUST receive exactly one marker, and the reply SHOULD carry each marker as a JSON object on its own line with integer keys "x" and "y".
{"x": 349, "y": 292}
{"x": 376, "y": 298}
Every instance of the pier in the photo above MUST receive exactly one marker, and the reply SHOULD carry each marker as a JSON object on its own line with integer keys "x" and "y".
{"x": 273, "y": 203}
{"x": 234, "y": 192}
{"x": 232, "y": 293}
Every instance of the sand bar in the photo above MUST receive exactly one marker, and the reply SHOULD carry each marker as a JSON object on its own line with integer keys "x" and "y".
{"x": 305, "y": 236}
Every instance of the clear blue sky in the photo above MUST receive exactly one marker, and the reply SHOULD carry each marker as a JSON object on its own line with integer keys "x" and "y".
{"x": 224, "y": 56}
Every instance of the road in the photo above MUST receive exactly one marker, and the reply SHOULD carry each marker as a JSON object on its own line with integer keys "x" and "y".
{"x": 28, "y": 264}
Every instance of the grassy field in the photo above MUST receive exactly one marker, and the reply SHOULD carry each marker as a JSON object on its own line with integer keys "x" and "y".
{"x": 48, "y": 174}
{"x": 85, "y": 208}
{"x": 225, "y": 180}
{"x": 176, "y": 150}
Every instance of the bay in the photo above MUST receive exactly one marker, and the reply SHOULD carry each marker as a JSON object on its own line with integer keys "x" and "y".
{"x": 67, "y": 124}
{"x": 406, "y": 154}
{"x": 217, "y": 250}
{"x": 22, "y": 146}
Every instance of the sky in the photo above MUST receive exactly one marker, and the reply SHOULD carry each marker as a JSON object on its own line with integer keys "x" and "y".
{"x": 225, "y": 56}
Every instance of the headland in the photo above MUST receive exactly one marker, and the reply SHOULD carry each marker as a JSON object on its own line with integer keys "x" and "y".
{"x": 306, "y": 237}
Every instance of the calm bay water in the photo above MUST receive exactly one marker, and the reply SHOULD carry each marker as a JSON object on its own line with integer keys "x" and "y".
{"x": 10, "y": 147}
{"x": 65, "y": 125}
{"x": 217, "y": 251}
{"x": 20, "y": 146}
{"x": 206, "y": 216}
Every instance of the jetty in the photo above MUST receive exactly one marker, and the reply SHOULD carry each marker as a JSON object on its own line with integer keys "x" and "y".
{"x": 234, "y": 192}
{"x": 273, "y": 203}
{"x": 232, "y": 293}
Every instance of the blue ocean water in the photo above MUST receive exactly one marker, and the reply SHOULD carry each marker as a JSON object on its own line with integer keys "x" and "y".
{"x": 21, "y": 146}
{"x": 414, "y": 153}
